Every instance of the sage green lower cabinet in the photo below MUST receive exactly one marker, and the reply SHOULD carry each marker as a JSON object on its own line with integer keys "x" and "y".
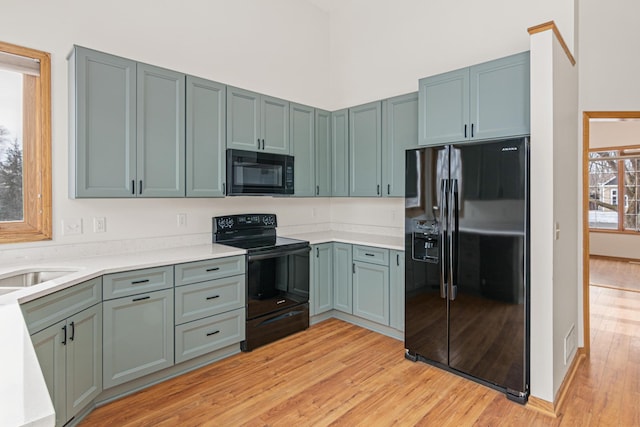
{"x": 396, "y": 290}
{"x": 70, "y": 356}
{"x": 137, "y": 336}
{"x": 342, "y": 278}
{"x": 371, "y": 283}
{"x": 321, "y": 287}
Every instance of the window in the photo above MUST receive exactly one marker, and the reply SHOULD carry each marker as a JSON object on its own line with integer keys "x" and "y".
{"x": 25, "y": 144}
{"x": 614, "y": 174}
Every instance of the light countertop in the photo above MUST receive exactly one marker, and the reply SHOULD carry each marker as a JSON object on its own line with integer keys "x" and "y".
{"x": 24, "y": 399}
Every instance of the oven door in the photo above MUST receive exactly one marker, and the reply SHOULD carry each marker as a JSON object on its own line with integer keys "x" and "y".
{"x": 277, "y": 279}
{"x": 257, "y": 173}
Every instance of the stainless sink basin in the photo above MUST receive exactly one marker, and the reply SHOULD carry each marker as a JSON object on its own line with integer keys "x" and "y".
{"x": 26, "y": 278}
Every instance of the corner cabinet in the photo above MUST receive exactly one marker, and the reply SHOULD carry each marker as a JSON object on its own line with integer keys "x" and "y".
{"x": 257, "y": 122}
{"x": 127, "y": 128}
{"x": 342, "y": 278}
{"x": 321, "y": 284}
{"x": 400, "y": 132}
{"x": 323, "y": 153}
{"x": 365, "y": 150}
{"x": 206, "y": 126}
{"x": 302, "y": 131}
{"x": 340, "y": 153}
{"x": 488, "y": 100}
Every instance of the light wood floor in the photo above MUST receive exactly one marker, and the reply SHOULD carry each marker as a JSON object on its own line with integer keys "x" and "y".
{"x": 339, "y": 374}
{"x": 614, "y": 273}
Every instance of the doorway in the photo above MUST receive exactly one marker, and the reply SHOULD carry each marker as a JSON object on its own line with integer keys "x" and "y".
{"x": 607, "y": 197}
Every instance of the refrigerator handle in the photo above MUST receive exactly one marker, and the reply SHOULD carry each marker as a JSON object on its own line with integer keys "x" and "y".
{"x": 453, "y": 236}
{"x": 443, "y": 230}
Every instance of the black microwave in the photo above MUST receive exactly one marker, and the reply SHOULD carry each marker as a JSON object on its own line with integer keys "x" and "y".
{"x": 258, "y": 173}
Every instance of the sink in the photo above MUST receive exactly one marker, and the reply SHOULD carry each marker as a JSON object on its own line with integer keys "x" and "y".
{"x": 26, "y": 278}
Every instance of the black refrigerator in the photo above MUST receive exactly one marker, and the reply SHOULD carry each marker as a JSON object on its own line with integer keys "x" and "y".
{"x": 467, "y": 261}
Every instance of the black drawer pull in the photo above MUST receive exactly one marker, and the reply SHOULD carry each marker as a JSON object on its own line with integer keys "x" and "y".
{"x": 213, "y": 333}
{"x": 141, "y": 298}
{"x": 213, "y": 269}
{"x": 137, "y": 282}
{"x": 213, "y": 297}
{"x": 368, "y": 254}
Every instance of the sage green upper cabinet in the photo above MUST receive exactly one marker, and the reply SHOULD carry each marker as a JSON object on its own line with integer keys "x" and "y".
{"x": 488, "y": 100}
{"x": 161, "y": 132}
{"x": 400, "y": 132}
{"x": 301, "y": 120}
{"x": 257, "y": 122}
{"x": 340, "y": 153}
{"x": 103, "y": 124}
{"x": 205, "y": 138}
{"x": 365, "y": 150}
{"x": 500, "y": 98}
{"x": 323, "y": 153}
{"x": 444, "y": 108}
{"x": 127, "y": 128}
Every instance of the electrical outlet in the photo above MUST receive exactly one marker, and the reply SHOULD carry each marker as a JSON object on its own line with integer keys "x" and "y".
{"x": 99, "y": 225}
{"x": 182, "y": 220}
{"x": 71, "y": 226}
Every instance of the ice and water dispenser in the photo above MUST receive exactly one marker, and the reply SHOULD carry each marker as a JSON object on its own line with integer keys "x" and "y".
{"x": 425, "y": 238}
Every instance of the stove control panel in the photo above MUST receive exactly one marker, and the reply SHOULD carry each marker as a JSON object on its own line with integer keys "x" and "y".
{"x": 239, "y": 222}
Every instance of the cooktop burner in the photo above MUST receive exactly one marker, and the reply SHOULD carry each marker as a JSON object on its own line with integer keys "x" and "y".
{"x": 253, "y": 232}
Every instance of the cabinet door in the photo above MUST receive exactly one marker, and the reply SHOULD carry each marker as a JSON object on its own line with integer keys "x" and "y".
{"x": 303, "y": 149}
{"x": 340, "y": 153}
{"x": 342, "y": 278}
{"x": 274, "y": 121}
{"x": 137, "y": 336}
{"x": 243, "y": 119}
{"x": 400, "y": 132}
{"x": 84, "y": 359}
{"x": 161, "y": 135}
{"x": 396, "y": 290}
{"x": 500, "y": 97}
{"x": 323, "y": 153}
{"x": 371, "y": 292}
{"x": 206, "y": 133}
{"x": 104, "y": 125}
{"x": 49, "y": 345}
{"x": 443, "y": 109}
{"x": 365, "y": 150}
{"x": 322, "y": 280}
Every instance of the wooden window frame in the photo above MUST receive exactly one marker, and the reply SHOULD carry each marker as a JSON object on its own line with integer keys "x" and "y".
{"x": 36, "y": 155}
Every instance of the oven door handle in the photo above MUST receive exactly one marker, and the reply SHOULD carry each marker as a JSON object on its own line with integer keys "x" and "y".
{"x": 278, "y": 253}
{"x": 282, "y": 317}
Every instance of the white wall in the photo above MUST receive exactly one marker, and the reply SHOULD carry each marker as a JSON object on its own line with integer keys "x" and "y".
{"x": 381, "y": 48}
{"x": 614, "y": 134}
{"x": 279, "y": 47}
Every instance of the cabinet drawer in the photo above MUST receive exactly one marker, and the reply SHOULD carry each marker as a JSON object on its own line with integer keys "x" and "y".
{"x": 204, "y": 299}
{"x": 201, "y": 271}
{"x": 212, "y": 333}
{"x": 134, "y": 282}
{"x": 45, "y": 311}
{"x": 371, "y": 254}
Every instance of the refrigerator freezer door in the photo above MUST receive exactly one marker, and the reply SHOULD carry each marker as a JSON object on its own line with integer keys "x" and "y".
{"x": 487, "y": 314}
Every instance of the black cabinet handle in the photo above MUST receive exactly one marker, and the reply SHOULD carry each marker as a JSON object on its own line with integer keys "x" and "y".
{"x": 73, "y": 331}
{"x": 133, "y": 187}
{"x": 213, "y": 269}
{"x": 64, "y": 340}
{"x": 388, "y": 188}
{"x": 378, "y": 190}
{"x": 258, "y": 143}
{"x": 263, "y": 143}
{"x": 317, "y": 190}
{"x": 465, "y": 131}
{"x": 213, "y": 333}
{"x": 398, "y": 260}
{"x": 471, "y": 130}
{"x": 317, "y": 252}
{"x": 213, "y": 297}
{"x": 368, "y": 254}
{"x": 353, "y": 268}
{"x": 137, "y": 282}
{"x": 141, "y": 298}
{"x": 140, "y": 189}
{"x": 224, "y": 188}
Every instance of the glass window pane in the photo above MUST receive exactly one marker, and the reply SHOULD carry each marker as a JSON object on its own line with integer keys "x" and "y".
{"x": 631, "y": 183}
{"x": 11, "y": 188}
{"x": 603, "y": 190}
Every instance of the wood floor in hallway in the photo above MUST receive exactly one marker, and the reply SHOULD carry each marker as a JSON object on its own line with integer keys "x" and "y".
{"x": 340, "y": 374}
